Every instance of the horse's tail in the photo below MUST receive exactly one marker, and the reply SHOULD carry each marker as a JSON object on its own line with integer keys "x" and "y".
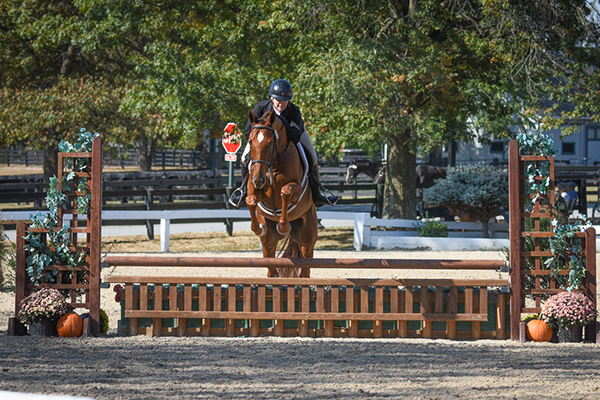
{"x": 290, "y": 249}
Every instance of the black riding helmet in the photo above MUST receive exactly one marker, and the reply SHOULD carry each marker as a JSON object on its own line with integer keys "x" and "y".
{"x": 281, "y": 90}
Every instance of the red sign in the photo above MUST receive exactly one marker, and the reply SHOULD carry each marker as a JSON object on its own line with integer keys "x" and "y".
{"x": 232, "y": 138}
{"x": 231, "y": 157}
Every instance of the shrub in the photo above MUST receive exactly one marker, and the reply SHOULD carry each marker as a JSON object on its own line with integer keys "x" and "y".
{"x": 478, "y": 189}
{"x": 432, "y": 228}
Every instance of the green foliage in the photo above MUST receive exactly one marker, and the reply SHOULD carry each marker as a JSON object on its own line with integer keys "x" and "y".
{"x": 364, "y": 73}
{"x": 431, "y": 228}
{"x": 103, "y": 321}
{"x": 536, "y": 144}
{"x": 529, "y": 317}
{"x": 478, "y": 189}
{"x": 537, "y": 174}
{"x": 567, "y": 249}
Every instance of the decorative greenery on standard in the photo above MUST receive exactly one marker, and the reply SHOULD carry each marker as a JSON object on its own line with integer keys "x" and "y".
{"x": 42, "y": 304}
{"x": 566, "y": 246}
{"x": 481, "y": 190}
{"x": 568, "y": 309}
{"x": 537, "y": 174}
{"x": 535, "y": 144}
{"x": 431, "y": 228}
{"x": 40, "y": 254}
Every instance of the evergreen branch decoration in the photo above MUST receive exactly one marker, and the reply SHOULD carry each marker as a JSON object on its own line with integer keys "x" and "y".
{"x": 40, "y": 254}
{"x": 566, "y": 246}
{"x": 537, "y": 174}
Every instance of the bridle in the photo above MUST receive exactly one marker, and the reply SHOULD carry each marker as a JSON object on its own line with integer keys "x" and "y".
{"x": 274, "y": 150}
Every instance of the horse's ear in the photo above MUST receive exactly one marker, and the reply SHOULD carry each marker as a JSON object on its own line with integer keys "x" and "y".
{"x": 251, "y": 117}
{"x": 272, "y": 117}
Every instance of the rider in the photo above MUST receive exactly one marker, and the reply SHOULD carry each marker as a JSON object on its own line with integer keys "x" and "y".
{"x": 280, "y": 94}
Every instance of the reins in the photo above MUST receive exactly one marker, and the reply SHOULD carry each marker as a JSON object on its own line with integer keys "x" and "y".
{"x": 274, "y": 151}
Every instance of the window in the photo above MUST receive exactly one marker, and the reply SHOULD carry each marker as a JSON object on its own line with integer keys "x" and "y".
{"x": 568, "y": 148}
{"x": 497, "y": 147}
{"x": 591, "y": 133}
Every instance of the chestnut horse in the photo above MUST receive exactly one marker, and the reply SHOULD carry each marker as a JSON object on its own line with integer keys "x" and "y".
{"x": 280, "y": 203}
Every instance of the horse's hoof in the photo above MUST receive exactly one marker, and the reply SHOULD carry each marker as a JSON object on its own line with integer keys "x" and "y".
{"x": 283, "y": 233}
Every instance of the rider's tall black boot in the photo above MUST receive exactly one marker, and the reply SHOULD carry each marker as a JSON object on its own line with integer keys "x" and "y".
{"x": 239, "y": 194}
{"x": 316, "y": 187}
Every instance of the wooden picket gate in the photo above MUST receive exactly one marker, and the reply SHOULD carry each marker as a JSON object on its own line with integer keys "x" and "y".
{"x": 187, "y": 306}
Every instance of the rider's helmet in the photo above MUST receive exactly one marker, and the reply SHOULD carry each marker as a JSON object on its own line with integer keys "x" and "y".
{"x": 281, "y": 90}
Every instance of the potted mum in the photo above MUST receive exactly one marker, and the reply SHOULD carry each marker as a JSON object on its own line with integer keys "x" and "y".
{"x": 40, "y": 311}
{"x": 569, "y": 312}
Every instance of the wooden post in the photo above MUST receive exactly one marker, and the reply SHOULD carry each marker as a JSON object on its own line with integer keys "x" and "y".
{"x": 590, "y": 280}
{"x": 15, "y": 327}
{"x": 95, "y": 235}
{"x": 515, "y": 189}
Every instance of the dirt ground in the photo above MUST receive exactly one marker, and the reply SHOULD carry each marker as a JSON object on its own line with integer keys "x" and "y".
{"x": 141, "y": 367}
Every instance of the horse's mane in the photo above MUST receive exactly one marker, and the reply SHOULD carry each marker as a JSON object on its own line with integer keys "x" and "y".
{"x": 264, "y": 121}
{"x": 365, "y": 162}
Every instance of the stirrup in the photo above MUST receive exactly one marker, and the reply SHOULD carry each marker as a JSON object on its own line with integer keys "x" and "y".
{"x": 239, "y": 193}
{"x": 331, "y": 198}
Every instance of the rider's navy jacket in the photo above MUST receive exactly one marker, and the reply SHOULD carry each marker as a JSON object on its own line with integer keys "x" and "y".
{"x": 291, "y": 118}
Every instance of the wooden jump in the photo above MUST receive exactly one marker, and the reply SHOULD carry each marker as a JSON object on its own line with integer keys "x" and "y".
{"x": 259, "y": 306}
{"x": 325, "y": 307}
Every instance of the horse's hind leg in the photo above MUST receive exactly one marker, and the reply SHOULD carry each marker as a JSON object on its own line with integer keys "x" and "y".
{"x": 269, "y": 246}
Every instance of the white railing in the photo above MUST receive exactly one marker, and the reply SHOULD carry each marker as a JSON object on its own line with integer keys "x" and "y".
{"x": 364, "y": 234}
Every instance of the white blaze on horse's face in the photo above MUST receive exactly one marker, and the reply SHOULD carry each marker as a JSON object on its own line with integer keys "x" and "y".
{"x": 260, "y": 137}
{"x": 349, "y": 176}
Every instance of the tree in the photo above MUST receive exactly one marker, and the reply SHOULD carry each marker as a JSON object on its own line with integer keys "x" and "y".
{"x": 412, "y": 73}
{"x": 477, "y": 189}
{"x": 51, "y": 84}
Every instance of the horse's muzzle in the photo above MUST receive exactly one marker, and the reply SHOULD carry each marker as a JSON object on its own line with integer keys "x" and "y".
{"x": 259, "y": 181}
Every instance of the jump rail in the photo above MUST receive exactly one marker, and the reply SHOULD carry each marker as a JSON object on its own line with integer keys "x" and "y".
{"x": 348, "y": 263}
{"x": 452, "y": 308}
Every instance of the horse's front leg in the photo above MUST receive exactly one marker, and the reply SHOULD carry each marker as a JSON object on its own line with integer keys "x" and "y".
{"x": 259, "y": 229}
{"x": 287, "y": 192}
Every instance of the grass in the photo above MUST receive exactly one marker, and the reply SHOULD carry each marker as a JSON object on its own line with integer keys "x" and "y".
{"x": 329, "y": 239}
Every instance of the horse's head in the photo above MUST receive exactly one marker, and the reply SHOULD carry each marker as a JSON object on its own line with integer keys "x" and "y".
{"x": 351, "y": 172}
{"x": 264, "y": 139}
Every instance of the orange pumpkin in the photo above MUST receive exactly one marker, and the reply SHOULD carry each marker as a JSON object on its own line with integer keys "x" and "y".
{"x": 539, "y": 331}
{"x": 70, "y": 325}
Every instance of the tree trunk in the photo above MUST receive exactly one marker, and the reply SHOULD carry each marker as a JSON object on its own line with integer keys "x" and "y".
{"x": 452, "y": 147}
{"x": 50, "y": 160}
{"x": 145, "y": 152}
{"x": 400, "y": 193}
{"x": 485, "y": 223}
